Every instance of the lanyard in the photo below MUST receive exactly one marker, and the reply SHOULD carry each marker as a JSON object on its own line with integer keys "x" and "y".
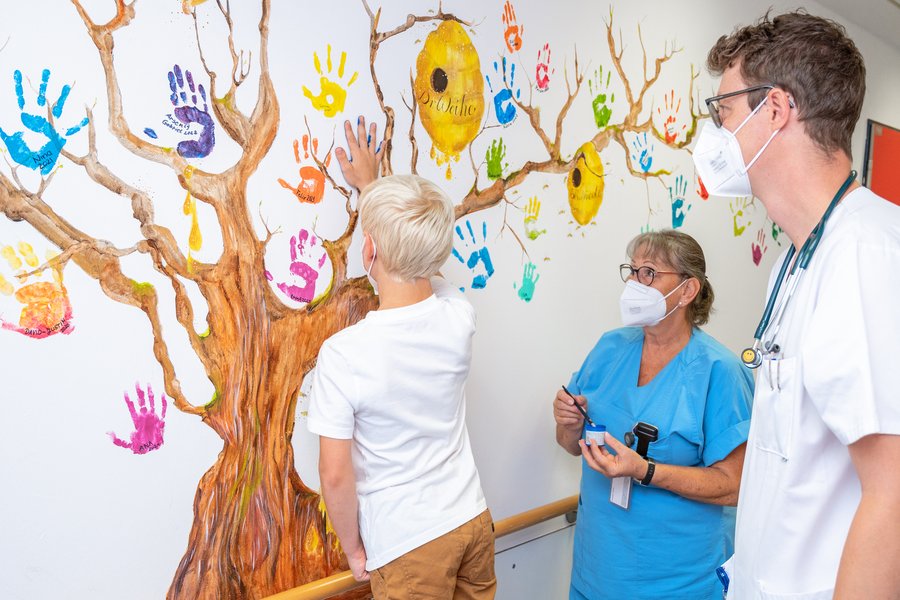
{"x": 752, "y": 357}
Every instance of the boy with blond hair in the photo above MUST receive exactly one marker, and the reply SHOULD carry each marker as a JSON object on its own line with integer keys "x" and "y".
{"x": 388, "y": 402}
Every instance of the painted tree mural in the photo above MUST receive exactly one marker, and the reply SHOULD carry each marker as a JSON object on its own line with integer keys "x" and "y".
{"x": 257, "y": 528}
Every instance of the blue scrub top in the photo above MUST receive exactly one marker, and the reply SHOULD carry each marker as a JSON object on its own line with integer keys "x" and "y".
{"x": 664, "y": 546}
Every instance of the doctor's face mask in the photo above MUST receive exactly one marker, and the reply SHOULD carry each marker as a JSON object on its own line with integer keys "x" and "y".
{"x": 719, "y": 161}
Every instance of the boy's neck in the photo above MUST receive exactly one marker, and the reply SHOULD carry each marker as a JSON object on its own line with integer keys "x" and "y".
{"x": 397, "y": 294}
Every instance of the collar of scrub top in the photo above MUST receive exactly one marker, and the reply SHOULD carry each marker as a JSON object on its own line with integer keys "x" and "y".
{"x": 752, "y": 357}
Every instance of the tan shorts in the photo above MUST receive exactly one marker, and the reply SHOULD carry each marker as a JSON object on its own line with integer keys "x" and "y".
{"x": 459, "y": 565}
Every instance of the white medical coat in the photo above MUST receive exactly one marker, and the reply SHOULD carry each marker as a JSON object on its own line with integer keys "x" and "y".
{"x": 838, "y": 380}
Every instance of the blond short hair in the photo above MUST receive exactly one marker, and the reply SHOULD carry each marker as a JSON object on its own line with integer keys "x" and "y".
{"x": 411, "y": 220}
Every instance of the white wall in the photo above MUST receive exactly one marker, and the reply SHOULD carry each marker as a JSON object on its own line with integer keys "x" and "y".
{"x": 87, "y": 519}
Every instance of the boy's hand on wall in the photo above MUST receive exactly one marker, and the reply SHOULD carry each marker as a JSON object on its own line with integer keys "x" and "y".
{"x": 360, "y": 168}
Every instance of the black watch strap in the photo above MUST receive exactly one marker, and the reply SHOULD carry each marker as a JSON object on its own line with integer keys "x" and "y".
{"x": 651, "y": 468}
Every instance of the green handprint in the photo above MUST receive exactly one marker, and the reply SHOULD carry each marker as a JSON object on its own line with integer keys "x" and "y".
{"x": 776, "y": 231}
{"x": 526, "y": 292}
{"x": 494, "y": 156}
{"x": 738, "y": 206}
{"x": 602, "y": 111}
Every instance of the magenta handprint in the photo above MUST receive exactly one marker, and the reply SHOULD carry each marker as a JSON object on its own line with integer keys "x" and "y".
{"x": 543, "y": 71}
{"x": 758, "y": 249}
{"x": 302, "y": 284}
{"x": 148, "y": 426}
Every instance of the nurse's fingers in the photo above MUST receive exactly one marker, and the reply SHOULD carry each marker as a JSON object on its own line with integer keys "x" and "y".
{"x": 598, "y": 458}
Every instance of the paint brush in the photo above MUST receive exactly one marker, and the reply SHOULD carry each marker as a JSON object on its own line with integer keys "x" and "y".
{"x": 578, "y": 406}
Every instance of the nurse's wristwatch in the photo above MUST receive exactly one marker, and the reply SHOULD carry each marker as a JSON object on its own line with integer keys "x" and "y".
{"x": 651, "y": 469}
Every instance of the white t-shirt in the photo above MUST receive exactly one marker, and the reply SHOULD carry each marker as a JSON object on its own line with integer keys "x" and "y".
{"x": 394, "y": 383}
{"x": 837, "y": 381}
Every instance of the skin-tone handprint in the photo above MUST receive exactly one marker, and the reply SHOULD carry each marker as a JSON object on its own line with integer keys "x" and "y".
{"x": 44, "y": 158}
{"x": 602, "y": 98}
{"x": 332, "y": 94}
{"x": 46, "y": 309}
{"x": 738, "y": 206}
{"x": 191, "y": 115}
{"x": 302, "y": 285}
{"x": 701, "y": 189}
{"x": 512, "y": 33}
{"x": 677, "y": 195}
{"x": 669, "y": 118}
{"x": 758, "y": 249}
{"x": 494, "y": 157}
{"x": 479, "y": 261}
{"x": 642, "y": 152}
{"x": 504, "y": 107}
{"x": 148, "y": 426}
{"x": 311, "y": 188}
{"x": 532, "y": 211}
{"x": 529, "y": 280}
{"x": 542, "y": 71}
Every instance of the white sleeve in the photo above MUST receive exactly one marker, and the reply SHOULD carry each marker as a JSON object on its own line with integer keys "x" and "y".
{"x": 331, "y": 396}
{"x": 444, "y": 290}
{"x": 850, "y": 365}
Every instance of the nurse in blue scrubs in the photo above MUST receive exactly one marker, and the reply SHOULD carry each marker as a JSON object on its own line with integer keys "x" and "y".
{"x": 659, "y": 369}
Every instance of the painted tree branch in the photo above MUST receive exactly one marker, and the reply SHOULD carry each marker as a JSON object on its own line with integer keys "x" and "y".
{"x": 101, "y": 262}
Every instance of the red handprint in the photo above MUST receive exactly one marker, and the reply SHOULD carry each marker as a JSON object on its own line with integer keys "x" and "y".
{"x": 311, "y": 188}
{"x": 148, "y": 426}
{"x": 760, "y": 248}
{"x": 670, "y": 123}
{"x": 543, "y": 71}
{"x": 513, "y": 34}
{"x": 701, "y": 189}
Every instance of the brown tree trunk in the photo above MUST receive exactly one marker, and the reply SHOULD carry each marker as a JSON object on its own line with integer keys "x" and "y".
{"x": 257, "y": 528}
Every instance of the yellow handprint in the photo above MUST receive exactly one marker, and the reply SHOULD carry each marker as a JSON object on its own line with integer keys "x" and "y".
{"x": 332, "y": 95}
{"x": 46, "y": 308}
{"x": 532, "y": 210}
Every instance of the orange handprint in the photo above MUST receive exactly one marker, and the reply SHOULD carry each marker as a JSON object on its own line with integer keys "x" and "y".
{"x": 670, "y": 123}
{"x": 46, "y": 308}
{"x": 513, "y": 33}
{"x": 311, "y": 188}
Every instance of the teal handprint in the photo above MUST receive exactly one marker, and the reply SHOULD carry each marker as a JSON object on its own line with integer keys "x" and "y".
{"x": 494, "y": 157}
{"x": 529, "y": 280}
{"x": 677, "y": 195}
{"x": 602, "y": 110}
{"x": 46, "y": 156}
{"x": 642, "y": 152}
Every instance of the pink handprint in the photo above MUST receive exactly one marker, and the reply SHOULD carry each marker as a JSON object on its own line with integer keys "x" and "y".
{"x": 303, "y": 286}
{"x": 760, "y": 248}
{"x": 543, "y": 70}
{"x": 148, "y": 426}
{"x": 513, "y": 33}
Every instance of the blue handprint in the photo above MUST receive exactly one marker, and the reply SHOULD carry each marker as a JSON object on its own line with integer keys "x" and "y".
{"x": 478, "y": 255}
{"x": 643, "y": 152}
{"x": 526, "y": 292}
{"x": 46, "y": 156}
{"x": 676, "y": 197}
{"x": 187, "y": 112}
{"x": 504, "y": 107}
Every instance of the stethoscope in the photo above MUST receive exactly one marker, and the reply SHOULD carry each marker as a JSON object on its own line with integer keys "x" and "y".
{"x": 753, "y": 356}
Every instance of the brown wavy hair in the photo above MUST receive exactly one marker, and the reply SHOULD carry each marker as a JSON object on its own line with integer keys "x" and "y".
{"x": 809, "y": 57}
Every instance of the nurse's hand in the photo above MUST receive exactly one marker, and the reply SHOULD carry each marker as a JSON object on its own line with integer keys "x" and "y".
{"x": 624, "y": 463}
{"x": 566, "y": 414}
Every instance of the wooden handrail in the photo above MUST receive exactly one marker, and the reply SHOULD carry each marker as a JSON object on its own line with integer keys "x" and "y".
{"x": 344, "y": 582}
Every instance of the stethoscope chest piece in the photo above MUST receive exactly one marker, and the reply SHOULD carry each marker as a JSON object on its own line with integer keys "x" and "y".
{"x": 751, "y": 357}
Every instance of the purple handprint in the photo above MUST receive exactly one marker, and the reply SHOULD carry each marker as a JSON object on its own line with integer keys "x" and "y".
{"x": 187, "y": 111}
{"x": 148, "y": 426}
{"x": 303, "y": 286}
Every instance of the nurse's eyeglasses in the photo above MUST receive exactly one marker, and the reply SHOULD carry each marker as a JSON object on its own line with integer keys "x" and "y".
{"x": 644, "y": 275}
{"x": 712, "y": 104}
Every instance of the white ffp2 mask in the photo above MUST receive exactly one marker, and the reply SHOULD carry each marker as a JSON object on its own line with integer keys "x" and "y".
{"x": 719, "y": 161}
{"x": 642, "y": 305}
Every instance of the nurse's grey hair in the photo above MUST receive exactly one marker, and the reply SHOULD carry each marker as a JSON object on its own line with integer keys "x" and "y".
{"x": 684, "y": 255}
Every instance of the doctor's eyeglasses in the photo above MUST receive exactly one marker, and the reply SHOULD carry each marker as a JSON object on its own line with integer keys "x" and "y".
{"x": 644, "y": 275}
{"x": 712, "y": 104}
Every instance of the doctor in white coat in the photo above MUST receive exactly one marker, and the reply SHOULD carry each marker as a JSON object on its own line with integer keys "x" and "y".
{"x": 819, "y": 504}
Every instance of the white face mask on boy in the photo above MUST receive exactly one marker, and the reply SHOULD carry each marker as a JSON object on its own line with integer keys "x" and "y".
{"x": 371, "y": 264}
{"x": 643, "y": 306}
{"x": 719, "y": 161}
